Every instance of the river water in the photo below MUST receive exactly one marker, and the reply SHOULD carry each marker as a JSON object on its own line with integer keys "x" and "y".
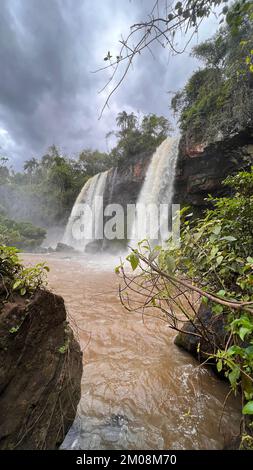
{"x": 139, "y": 390}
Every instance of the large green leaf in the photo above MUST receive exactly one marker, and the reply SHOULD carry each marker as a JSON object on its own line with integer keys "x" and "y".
{"x": 248, "y": 408}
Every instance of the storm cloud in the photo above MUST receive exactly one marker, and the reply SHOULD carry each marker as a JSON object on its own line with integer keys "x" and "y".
{"x": 48, "y": 93}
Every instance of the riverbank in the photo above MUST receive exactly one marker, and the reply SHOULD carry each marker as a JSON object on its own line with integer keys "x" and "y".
{"x": 138, "y": 389}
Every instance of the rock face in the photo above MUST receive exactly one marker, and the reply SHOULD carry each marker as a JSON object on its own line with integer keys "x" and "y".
{"x": 40, "y": 373}
{"x": 202, "y": 167}
{"x": 213, "y": 328}
{"x": 124, "y": 182}
{"x": 123, "y": 186}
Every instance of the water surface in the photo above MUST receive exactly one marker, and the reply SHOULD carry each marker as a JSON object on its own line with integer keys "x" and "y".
{"x": 139, "y": 390}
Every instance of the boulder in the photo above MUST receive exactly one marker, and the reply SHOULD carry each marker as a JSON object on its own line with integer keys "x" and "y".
{"x": 63, "y": 248}
{"x": 40, "y": 372}
{"x": 213, "y": 327}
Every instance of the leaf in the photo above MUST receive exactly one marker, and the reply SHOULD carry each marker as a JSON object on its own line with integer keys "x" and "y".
{"x": 234, "y": 350}
{"x": 234, "y": 376}
{"x": 229, "y": 238}
{"x": 23, "y": 291}
{"x": 248, "y": 408}
{"x": 170, "y": 263}
{"x": 214, "y": 251}
{"x": 117, "y": 269}
{"x": 221, "y": 293}
{"x": 219, "y": 260}
{"x": 219, "y": 365}
{"x": 17, "y": 284}
{"x": 14, "y": 329}
{"x": 133, "y": 258}
{"x": 217, "y": 309}
{"x": 243, "y": 332}
{"x": 153, "y": 255}
{"x": 216, "y": 230}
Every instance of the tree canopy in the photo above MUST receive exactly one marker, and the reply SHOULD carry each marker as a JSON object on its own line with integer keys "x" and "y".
{"x": 218, "y": 98}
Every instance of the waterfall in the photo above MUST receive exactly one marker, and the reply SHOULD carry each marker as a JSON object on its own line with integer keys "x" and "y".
{"x": 81, "y": 223}
{"x": 157, "y": 189}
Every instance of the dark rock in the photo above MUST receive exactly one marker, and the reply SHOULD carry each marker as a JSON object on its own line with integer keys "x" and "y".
{"x": 213, "y": 328}
{"x": 62, "y": 247}
{"x": 123, "y": 187}
{"x": 40, "y": 373}
{"x": 93, "y": 247}
{"x": 202, "y": 167}
{"x": 124, "y": 182}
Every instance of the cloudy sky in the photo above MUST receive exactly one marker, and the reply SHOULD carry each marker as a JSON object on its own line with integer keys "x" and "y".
{"x": 48, "y": 93}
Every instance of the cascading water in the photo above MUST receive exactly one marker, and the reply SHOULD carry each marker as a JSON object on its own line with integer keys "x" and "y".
{"x": 157, "y": 190}
{"x": 81, "y": 226}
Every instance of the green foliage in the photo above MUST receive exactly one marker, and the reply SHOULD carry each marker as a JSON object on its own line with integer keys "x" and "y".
{"x": 4, "y": 170}
{"x": 133, "y": 260}
{"x": 44, "y": 193}
{"x": 216, "y": 254}
{"x": 64, "y": 348}
{"x": 219, "y": 97}
{"x": 23, "y": 235}
{"x": 134, "y": 137}
{"x": 15, "y": 277}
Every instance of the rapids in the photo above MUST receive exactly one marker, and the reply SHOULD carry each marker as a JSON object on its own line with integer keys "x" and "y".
{"x": 139, "y": 391}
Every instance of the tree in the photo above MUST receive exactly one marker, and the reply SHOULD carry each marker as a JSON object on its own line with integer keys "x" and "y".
{"x": 157, "y": 127}
{"x": 4, "y": 170}
{"x": 30, "y": 167}
{"x": 126, "y": 122}
{"x": 161, "y": 26}
{"x": 136, "y": 137}
{"x": 219, "y": 97}
{"x": 92, "y": 162}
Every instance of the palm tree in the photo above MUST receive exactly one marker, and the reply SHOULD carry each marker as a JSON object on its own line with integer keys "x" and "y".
{"x": 30, "y": 166}
{"x": 126, "y": 121}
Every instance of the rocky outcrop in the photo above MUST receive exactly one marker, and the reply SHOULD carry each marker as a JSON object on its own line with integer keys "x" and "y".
{"x": 202, "y": 167}
{"x": 125, "y": 181}
{"x": 211, "y": 326}
{"x": 40, "y": 372}
{"x": 123, "y": 186}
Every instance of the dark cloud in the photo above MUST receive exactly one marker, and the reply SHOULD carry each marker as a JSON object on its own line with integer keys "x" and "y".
{"x": 48, "y": 94}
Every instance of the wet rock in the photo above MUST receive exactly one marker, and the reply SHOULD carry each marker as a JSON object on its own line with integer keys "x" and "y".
{"x": 213, "y": 328}
{"x": 202, "y": 166}
{"x": 94, "y": 247}
{"x": 40, "y": 373}
{"x": 124, "y": 183}
{"x": 62, "y": 247}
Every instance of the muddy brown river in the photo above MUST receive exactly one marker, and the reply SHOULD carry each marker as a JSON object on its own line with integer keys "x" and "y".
{"x": 139, "y": 390}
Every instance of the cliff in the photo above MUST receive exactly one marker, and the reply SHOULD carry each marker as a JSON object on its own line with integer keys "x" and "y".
{"x": 123, "y": 186}
{"x": 125, "y": 181}
{"x": 202, "y": 167}
{"x": 40, "y": 371}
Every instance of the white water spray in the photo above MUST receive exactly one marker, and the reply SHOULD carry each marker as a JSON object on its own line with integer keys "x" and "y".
{"x": 81, "y": 224}
{"x": 151, "y": 218}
